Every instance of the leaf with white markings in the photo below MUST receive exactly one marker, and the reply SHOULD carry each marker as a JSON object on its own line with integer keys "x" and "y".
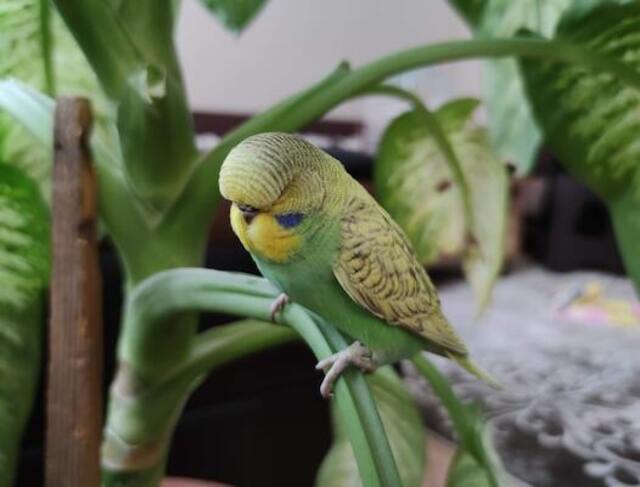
{"x": 514, "y": 133}
{"x": 235, "y": 15}
{"x": 591, "y": 120}
{"x": 24, "y": 272}
{"x": 415, "y": 184}
{"x": 29, "y": 29}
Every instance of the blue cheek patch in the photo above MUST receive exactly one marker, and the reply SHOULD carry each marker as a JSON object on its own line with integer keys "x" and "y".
{"x": 289, "y": 220}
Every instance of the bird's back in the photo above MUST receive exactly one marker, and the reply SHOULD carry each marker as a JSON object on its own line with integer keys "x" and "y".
{"x": 377, "y": 267}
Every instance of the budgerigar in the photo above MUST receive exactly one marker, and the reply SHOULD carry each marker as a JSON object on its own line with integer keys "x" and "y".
{"x": 317, "y": 234}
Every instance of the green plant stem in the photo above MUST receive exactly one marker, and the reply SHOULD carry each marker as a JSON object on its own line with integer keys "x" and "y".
{"x": 221, "y": 345}
{"x": 468, "y": 431}
{"x": 200, "y": 198}
{"x": 360, "y": 417}
{"x": 46, "y": 46}
{"x": 142, "y": 415}
{"x": 397, "y": 92}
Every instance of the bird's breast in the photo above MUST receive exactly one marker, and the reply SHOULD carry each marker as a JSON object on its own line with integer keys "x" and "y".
{"x": 265, "y": 237}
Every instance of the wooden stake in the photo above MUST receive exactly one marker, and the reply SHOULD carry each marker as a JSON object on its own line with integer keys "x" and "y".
{"x": 74, "y": 400}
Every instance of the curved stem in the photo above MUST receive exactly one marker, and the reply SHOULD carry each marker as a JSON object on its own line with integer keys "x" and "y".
{"x": 142, "y": 414}
{"x": 223, "y": 344}
{"x": 467, "y": 427}
{"x": 397, "y": 92}
{"x": 201, "y": 197}
{"x": 46, "y": 48}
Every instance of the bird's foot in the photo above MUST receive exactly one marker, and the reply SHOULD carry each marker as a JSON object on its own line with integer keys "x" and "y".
{"x": 355, "y": 354}
{"x": 278, "y": 305}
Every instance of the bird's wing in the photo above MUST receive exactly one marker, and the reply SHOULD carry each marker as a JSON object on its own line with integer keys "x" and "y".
{"x": 377, "y": 268}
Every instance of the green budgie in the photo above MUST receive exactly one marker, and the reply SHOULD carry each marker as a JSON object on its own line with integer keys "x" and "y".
{"x": 317, "y": 234}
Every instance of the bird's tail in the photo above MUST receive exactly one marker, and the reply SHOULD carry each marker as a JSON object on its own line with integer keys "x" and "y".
{"x": 465, "y": 362}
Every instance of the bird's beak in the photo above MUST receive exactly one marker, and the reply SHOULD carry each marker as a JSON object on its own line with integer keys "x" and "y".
{"x": 248, "y": 212}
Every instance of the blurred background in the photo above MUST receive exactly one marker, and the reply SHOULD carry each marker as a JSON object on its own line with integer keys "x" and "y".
{"x": 244, "y": 74}
{"x": 561, "y": 332}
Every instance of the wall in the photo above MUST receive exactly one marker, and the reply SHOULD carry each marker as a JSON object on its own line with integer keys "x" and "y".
{"x": 293, "y": 43}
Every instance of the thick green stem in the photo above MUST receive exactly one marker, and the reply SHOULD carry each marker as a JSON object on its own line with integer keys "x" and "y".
{"x": 46, "y": 47}
{"x": 142, "y": 414}
{"x": 467, "y": 427}
{"x": 201, "y": 196}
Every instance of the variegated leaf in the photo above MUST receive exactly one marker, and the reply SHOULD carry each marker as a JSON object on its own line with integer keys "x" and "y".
{"x": 514, "y": 133}
{"x": 591, "y": 120}
{"x": 24, "y": 273}
{"x": 414, "y": 182}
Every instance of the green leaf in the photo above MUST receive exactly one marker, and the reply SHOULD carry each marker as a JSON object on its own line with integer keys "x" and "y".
{"x": 24, "y": 273}
{"x": 470, "y": 10}
{"x": 235, "y": 15}
{"x": 514, "y": 133}
{"x": 625, "y": 212}
{"x": 415, "y": 184}
{"x": 409, "y": 158}
{"x": 33, "y": 112}
{"x": 404, "y": 428}
{"x": 25, "y": 52}
{"x": 24, "y": 42}
{"x": 467, "y": 422}
{"x": 30, "y": 108}
{"x": 464, "y": 471}
{"x": 591, "y": 120}
{"x": 29, "y": 30}
{"x": 24, "y": 237}
{"x": 132, "y": 52}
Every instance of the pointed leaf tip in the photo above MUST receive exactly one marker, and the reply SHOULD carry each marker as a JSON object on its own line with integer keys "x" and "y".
{"x": 235, "y": 15}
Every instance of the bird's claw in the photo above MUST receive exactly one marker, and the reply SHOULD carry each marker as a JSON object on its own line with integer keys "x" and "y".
{"x": 334, "y": 365}
{"x": 278, "y": 305}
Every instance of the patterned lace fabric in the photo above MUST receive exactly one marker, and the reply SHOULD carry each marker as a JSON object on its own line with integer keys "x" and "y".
{"x": 569, "y": 413}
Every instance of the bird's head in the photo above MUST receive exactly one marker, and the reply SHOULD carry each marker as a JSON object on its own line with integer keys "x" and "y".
{"x": 279, "y": 186}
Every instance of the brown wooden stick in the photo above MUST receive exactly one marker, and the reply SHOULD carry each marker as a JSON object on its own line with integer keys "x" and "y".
{"x": 74, "y": 400}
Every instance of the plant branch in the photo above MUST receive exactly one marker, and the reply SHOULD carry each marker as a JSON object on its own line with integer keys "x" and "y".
{"x": 223, "y": 344}
{"x": 467, "y": 426}
{"x": 151, "y": 311}
{"x": 46, "y": 46}
{"x": 396, "y": 92}
{"x": 201, "y": 196}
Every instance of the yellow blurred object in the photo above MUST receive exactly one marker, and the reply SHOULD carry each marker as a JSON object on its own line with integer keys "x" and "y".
{"x": 590, "y": 305}
{"x": 591, "y": 292}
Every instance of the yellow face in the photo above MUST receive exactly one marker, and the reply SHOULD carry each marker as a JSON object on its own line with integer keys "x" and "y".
{"x": 264, "y": 235}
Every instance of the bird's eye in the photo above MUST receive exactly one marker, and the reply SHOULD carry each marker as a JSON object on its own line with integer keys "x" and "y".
{"x": 247, "y": 208}
{"x": 289, "y": 220}
{"x": 248, "y": 212}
